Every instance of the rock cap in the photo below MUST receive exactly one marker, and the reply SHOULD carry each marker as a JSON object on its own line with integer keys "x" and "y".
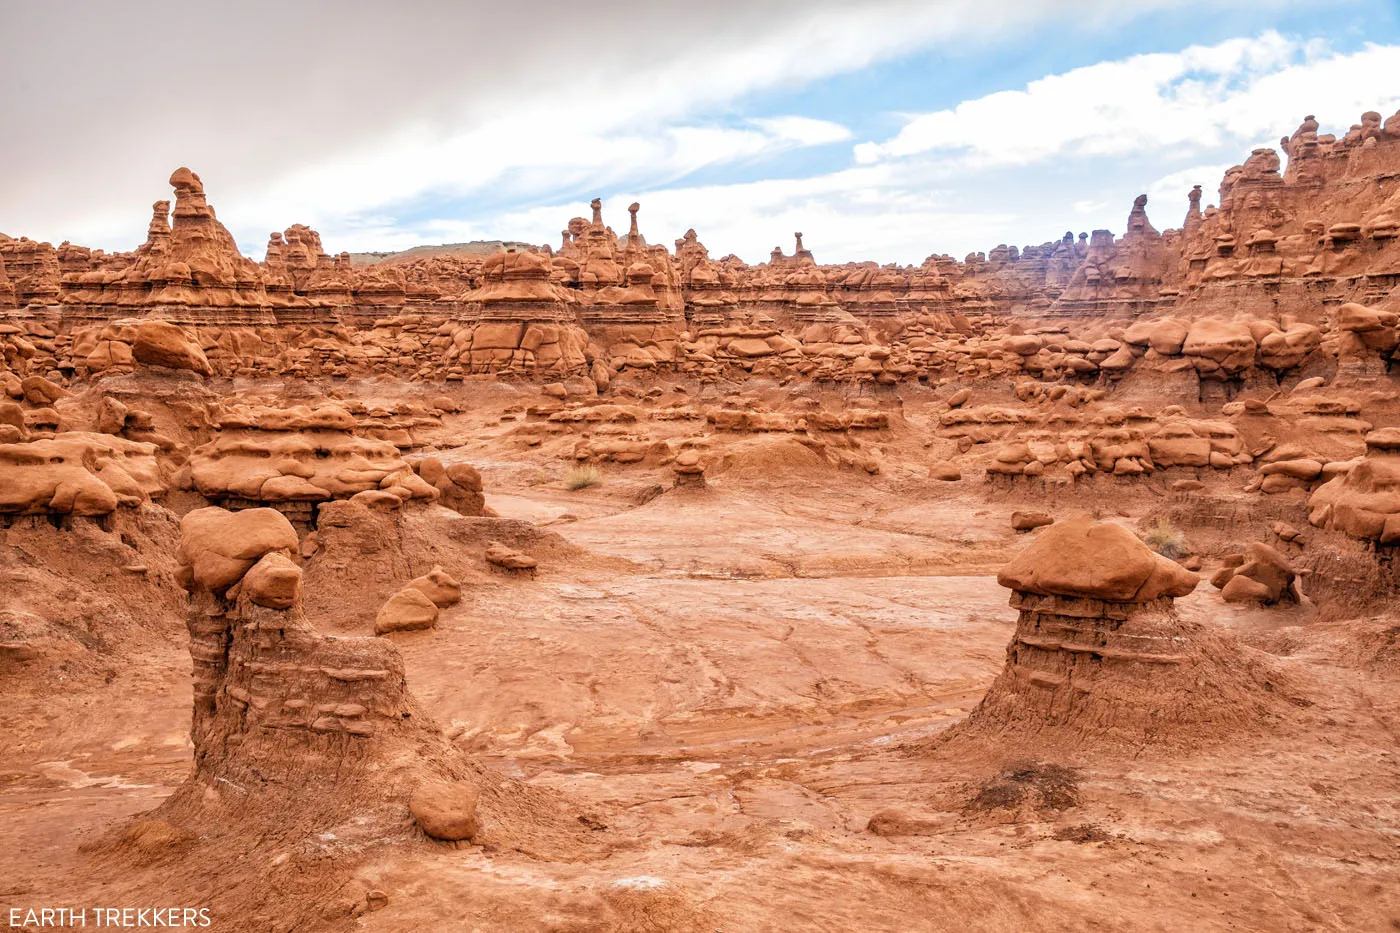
{"x": 1095, "y": 560}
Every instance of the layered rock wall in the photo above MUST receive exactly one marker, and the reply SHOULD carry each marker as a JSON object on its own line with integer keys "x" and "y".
{"x": 1288, "y": 275}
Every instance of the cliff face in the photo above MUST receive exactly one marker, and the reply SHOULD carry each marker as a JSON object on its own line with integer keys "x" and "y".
{"x": 1287, "y": 243}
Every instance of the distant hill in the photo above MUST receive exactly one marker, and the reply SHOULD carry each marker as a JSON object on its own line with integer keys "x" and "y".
{"x": 476, "y": 249}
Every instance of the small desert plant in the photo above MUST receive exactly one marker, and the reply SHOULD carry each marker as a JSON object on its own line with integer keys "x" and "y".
{"x": 1041, "y": 787}
{"x": 582, "y": 476}
{"x": 1166, "y": 539}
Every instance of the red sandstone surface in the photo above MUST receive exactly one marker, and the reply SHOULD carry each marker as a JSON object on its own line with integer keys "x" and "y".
{"x": 609, "y": 586}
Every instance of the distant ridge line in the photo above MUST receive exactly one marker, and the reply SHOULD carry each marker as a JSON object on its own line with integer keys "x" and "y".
{"x": 475, "y": 249}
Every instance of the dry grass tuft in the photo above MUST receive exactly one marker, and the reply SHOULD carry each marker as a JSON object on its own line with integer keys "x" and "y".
{"x": 581, "y": 477}
{"x": 1166, "y": 539}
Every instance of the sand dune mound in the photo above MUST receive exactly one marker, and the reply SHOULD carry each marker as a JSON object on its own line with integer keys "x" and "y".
{"x": 769, "y": 457}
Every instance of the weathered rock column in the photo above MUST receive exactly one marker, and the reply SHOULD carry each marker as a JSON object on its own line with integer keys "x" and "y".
{"x": 1101, "y": 657}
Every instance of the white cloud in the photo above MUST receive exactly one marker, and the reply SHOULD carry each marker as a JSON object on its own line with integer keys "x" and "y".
{"x": 358, "y": 120}
{"x": 804, "y": 131}
{"x": 1029, "y": 157}
{"x": 325, "y": 111}
{"x": 527, "y": 152}
{"x": 1108, "y": 130}
{"x": 1175, "y": 185}
{"x": 1190, "y": 101}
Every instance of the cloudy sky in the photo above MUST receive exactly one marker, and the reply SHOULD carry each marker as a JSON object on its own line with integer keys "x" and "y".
{"x": 883, "y": 129}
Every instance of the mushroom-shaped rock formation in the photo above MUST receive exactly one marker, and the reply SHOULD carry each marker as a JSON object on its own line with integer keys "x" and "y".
{"x": 267, "y": 687}
{"x": 1364, "y": 502}
{"x": 689, "y": 469}
{"x": 518, "y": 319}
{"x": 74, "y": 472}
{"x": 300, "y": 734}
{"x": 1082, "y": 558}
{"x": 1100, "y": 657}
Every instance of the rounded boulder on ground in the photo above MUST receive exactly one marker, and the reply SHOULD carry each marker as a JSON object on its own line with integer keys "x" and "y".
{"x": 408, "y": 610}
{"x": 445, "y": 810}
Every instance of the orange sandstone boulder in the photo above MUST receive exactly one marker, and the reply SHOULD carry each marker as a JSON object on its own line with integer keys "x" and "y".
{"x": 274, "y": 582}
{"x": 945, "y": 471}
{"x": 1028, "y": 521}
{"x": 408, "y": 610}
{"x": 1095, "y": 560}
{"x": 507, "y": 558}
{"x": 40, "y": 391}
{"x": 1261, "y": 574}
{"x": 217, "y": 547}
{"x": 438, "y": 587}
{"x": 1219, "y": 347}
{"x": 163, "y": 344}
{"x": 445, "y": 810}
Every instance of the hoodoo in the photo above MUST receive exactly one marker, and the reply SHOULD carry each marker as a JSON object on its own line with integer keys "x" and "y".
{"x": 1100, "y": 657}
{"x": 279, "y": 707}
{"x": 308, "y": 737}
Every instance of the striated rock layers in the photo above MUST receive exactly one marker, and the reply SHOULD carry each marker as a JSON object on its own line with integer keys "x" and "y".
{"x": 1100, "y": 657}
{"x": 1288, "y": 274}
{"x": 518, "y": 320}
{"x": 75, "y": 473}
{"x": 273, "y": 701}
{"x": 1364, "y": 502}
{"x": 298, "y": 734}
{"x": 295, "y": 458}
{"x": 188, "y": 266}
